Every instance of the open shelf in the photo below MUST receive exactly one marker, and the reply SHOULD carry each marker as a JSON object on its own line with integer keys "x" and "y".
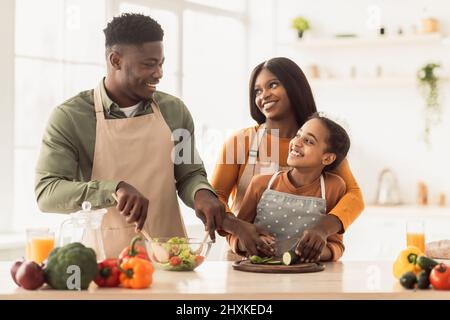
{"x": 432, "y": 38}
{"x": 383, "y": 81}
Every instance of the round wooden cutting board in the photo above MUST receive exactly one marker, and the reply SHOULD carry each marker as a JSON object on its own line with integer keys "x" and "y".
{"x": 246, "y": 265}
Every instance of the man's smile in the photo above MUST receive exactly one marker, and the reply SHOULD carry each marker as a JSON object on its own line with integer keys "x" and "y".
{"x": 152, "y": 85}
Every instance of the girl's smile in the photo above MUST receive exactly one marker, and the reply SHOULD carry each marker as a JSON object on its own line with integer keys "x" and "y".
{"x": 294, "y": 153}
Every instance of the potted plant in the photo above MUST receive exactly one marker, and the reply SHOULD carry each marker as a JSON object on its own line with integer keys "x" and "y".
{"x": 300, "y": 24}
{"x": 429, "y": 85}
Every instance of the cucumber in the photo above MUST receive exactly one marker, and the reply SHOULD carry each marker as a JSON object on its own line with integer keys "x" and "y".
{"x": 408, "y": 280}
{"x": 259, "y": 260}
{"x": 290, "y": 257}
{"x": 274, "y": 262}
{"x": 423, "y": 280}
{"x": 266, "y": 260}
{"x": 426, "y": 263}
{"x": 255, "y": 259}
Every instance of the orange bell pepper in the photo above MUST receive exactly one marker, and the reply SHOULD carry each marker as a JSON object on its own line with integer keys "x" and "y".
{"x": 136, "y": 273}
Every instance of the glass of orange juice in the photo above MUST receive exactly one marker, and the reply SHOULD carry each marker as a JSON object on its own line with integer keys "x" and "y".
{"x": 415, "y": 234}
{"x": 40, "y": 241}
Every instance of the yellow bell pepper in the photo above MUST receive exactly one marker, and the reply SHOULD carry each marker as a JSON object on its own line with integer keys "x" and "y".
{"x": 406, "y": 261}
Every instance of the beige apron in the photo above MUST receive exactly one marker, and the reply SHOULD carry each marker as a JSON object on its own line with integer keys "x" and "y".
{"x": 258, "y": 163}
{"x": 138, "y": 151}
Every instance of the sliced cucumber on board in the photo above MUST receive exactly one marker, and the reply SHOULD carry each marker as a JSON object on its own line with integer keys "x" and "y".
{"x": 274, "y": 262}
{"x": 265, "y": 260}
{"x": 290, "y": 257}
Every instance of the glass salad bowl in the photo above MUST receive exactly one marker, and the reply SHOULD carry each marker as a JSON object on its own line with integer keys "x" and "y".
{"x": 178, "y": 254}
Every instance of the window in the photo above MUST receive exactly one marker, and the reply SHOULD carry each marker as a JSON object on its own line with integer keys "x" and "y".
{"x": 232, "y": 5}
{"x": 59, "y": 52}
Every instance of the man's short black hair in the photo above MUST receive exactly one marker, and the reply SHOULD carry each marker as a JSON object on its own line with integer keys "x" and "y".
{"x": 132, "y": 28}
{"x": 338, "y": 141}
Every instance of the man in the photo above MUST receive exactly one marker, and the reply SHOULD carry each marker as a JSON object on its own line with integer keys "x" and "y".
{"x": 116, "y": 141}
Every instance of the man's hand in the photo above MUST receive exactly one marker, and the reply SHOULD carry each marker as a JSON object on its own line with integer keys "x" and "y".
{"x": 132, "y": 204}
{"x": 311, "y": 245}
{"x": 210, "y": 210}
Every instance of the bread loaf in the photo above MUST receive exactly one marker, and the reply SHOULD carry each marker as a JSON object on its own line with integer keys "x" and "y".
{"x": 438, "y": 249}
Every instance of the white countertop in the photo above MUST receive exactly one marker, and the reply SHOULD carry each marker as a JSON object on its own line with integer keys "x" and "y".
{"x": 217, "y": 280}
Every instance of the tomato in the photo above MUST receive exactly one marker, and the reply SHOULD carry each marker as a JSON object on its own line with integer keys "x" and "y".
{"x": 175, "y": 261}
{"x": 199, "y": 260}
{"x": 440, "y": 277}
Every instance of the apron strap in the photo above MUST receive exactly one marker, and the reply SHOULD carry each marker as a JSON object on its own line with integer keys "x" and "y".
{"x": 156, "y": 109}
{"x": 322, "y": 186}
{"x": 254, "y": 145}
{"x": 249, "y": 167}
{"x": 98, "y": 103}
{"x": 273, "y": 179}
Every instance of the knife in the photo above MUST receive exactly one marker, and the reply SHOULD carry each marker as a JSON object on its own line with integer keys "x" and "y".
{"x": 282, "y": 246}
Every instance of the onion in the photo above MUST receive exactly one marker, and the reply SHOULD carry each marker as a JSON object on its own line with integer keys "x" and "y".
{"x": 30, "y": 275}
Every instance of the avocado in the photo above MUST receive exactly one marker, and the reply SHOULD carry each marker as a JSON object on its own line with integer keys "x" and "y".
{"x": 423, "y": 280}
{"x": 408, "y": 280}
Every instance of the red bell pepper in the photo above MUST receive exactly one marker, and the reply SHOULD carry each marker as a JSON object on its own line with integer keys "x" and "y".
{"x": 108, "y": 273}
{"x": 134, "y": 251}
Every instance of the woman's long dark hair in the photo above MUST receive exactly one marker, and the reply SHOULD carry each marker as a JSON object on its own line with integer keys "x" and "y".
{"x": 295, "y": 83}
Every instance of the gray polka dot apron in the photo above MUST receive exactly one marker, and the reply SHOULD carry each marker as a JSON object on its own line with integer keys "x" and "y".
{"x": 286, "y": 216}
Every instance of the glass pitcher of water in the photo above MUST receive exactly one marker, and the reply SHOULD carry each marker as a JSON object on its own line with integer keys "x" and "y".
{"x": 84, "y": 226}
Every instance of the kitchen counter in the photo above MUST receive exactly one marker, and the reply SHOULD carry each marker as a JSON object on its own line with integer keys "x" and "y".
{"x": 217, "y": 280}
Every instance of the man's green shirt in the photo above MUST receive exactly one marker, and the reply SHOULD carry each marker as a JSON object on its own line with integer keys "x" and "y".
{"x": 64, "y": 168}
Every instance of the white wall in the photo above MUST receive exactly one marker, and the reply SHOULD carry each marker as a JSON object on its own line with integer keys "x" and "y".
{"x": 385, "y": 120}
{"x": 7, "y": 109}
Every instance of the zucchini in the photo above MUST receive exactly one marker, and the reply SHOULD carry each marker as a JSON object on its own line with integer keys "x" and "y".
{"x": 274, "y": 262}
{"x": 408, "y": 280}
{"x": 423, "y": 280}
{"x": 426, "y": 263}
{"x": 290, "y": 257}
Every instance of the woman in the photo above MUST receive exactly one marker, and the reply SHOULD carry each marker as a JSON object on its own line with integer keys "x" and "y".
{"x": 281, "y": 101}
